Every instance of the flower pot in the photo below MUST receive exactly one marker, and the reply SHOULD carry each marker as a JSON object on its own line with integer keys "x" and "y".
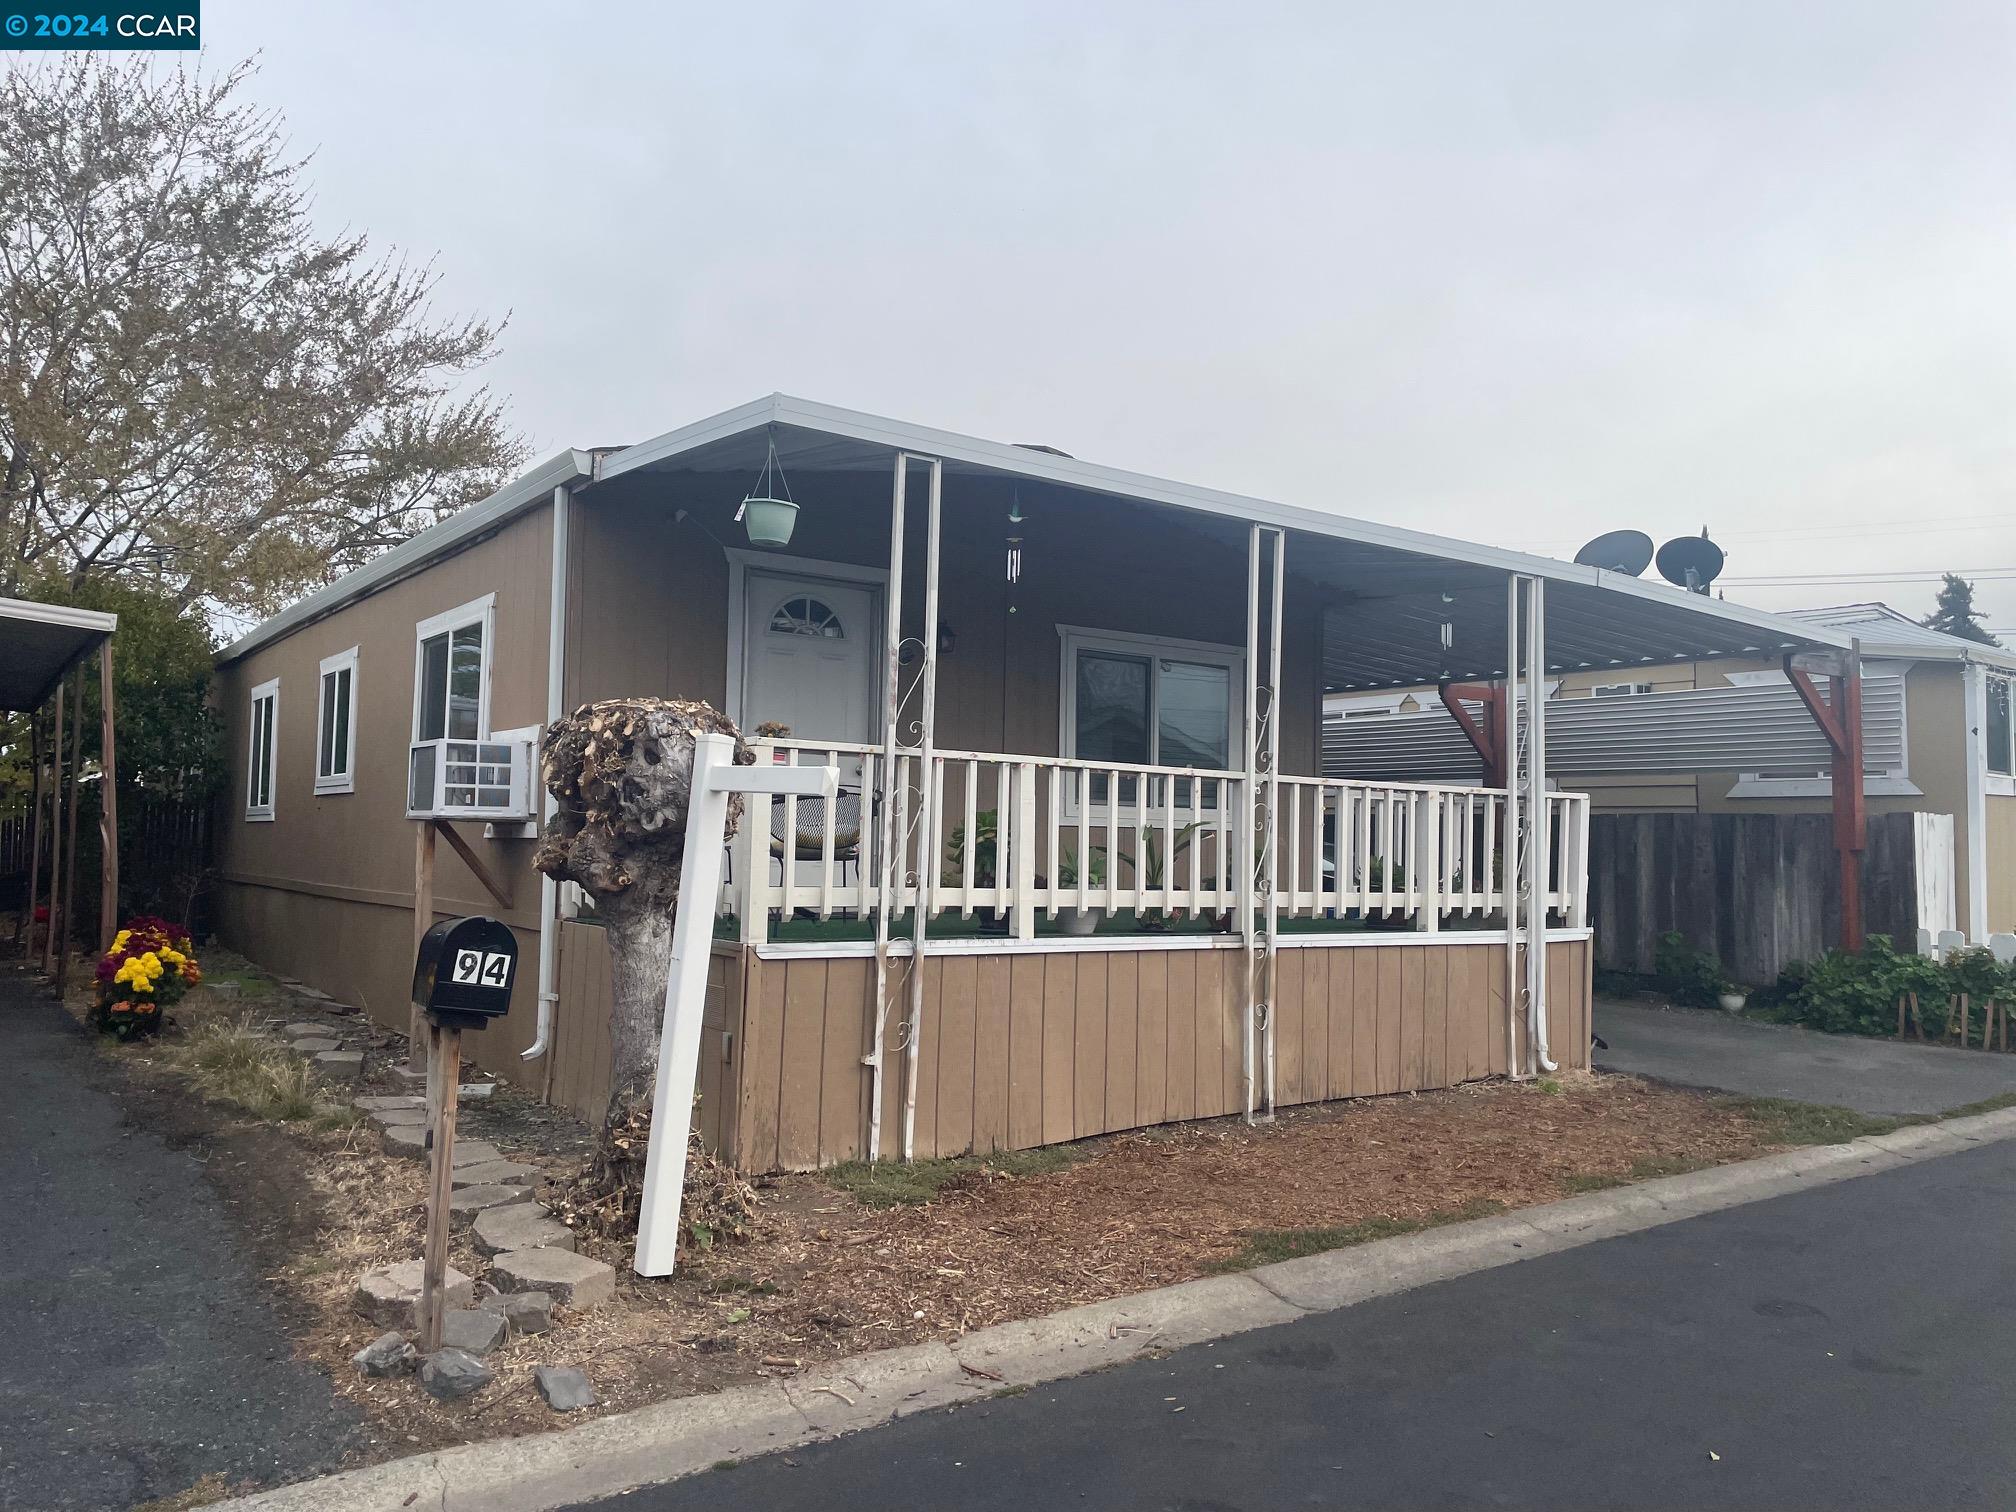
{"x": 769, "y": 521}
{"x": 1079, "y": 921}
{"x": 1733, "y": 1001}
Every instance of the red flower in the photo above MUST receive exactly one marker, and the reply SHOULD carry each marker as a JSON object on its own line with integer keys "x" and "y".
{"x": 42, "y": 915}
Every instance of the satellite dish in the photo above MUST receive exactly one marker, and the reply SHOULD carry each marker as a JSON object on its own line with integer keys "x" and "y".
{"x": 1690, "y": 562}
{"x": 1625, "y": 551}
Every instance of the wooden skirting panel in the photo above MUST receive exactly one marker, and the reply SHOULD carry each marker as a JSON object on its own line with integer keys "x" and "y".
{"x": 1036, "y": 1049}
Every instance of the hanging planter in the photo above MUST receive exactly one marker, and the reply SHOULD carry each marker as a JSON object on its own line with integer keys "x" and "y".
{"x": 768, "y": 512}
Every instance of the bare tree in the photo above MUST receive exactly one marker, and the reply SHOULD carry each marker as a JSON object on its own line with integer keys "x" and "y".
{"x": 195, "y": 386}
{"x": 621, "y": 774}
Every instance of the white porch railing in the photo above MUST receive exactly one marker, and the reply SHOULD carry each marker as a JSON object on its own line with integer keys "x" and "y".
{"x": 1029, "y": 838}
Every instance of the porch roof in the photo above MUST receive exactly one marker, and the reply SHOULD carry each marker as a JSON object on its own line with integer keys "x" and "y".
{"x": 1390, "y": 589}
{"x": 39, "y": 643}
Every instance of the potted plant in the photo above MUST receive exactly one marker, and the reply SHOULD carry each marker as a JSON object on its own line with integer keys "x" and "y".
{"x": 1075, "y": 920}
{"x": 150, "y": 966}
{"x": 1732, "y": 996}
{"x": 1154, "y": 867}
{"x": 986, "y": 830}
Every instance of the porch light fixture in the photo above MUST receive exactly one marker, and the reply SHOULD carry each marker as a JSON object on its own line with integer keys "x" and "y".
{"x": 768, "y": 518}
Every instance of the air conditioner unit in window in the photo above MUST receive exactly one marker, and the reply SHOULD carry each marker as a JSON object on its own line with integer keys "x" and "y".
{"x": 470, "y": 779}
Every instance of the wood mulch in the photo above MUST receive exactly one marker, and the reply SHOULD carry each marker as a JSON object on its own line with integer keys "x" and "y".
{"x": 824, "y": 1275}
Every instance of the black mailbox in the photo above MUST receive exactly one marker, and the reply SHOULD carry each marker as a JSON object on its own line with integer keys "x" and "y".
{"x": 464, "y": 971}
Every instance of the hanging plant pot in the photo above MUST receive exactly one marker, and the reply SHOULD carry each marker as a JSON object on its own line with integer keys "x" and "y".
{"x": 768, "y": 521}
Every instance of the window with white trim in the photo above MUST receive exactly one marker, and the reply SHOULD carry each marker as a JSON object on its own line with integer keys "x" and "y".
{"x": 261, "y": 755}
{"x": 1145, "y": 701}
{"x": 2001, "y": 726}
{"x": 336, "y": 724}
{"x": 451, "y": 672}
{"x": 1619, "y": 690}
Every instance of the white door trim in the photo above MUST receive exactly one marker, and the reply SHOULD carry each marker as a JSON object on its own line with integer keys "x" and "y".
{"x": 741, "y": 563}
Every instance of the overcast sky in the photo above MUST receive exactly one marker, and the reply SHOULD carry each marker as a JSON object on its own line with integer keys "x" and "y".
{"x": 1517, "y": 273}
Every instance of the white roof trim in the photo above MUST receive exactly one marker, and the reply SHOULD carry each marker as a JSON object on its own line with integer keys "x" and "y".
{"x": 998, "y": 456}
{"x": 518, "y": 495}
{"x": 59, "y": 614}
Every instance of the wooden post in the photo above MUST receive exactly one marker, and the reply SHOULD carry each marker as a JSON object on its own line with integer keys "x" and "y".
{"x": 1840, "y": 720}
{"x": 444, "y": 1071}
{"x": 108, "y": 802}
{"x": 417, "y": 1057}
{"x": 27, "y": 926}
{"x": 70, "y": 840}
{"x": 55, "y": 839}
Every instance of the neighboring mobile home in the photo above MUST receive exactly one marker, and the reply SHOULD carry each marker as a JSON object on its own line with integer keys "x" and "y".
{"x": 1076, "y": 712}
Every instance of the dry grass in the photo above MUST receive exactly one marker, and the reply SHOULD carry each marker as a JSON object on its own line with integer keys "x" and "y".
{"x": 230, "y": 1061}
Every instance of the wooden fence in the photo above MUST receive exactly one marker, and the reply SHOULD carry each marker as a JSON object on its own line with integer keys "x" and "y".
{"x": 1756, "y": 890}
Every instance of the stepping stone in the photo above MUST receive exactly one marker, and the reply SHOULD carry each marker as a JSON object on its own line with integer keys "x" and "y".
{"x": 570, "y": 1279}
{"x": 305, "y": 1031}
{"x": 387, "y": 1355}
{"x": 476, "y": 1330}
{"x": 523, "y": 1225}
{"x": 527, "y": 1312}
{"x": 315, "y": 1045}
{"x": 408, "y": 1141}
{"x": 390, "y": 1295}
{"x": 387, "y": 1118}
{"x": 470, "y": 1152}
{"x": 493, "y": 1173}
{"x": 340, "y": 1065}
{"x": 564, "y": 1388}
{"x": 451, "y": 1374}
{"x": 390, "y": 1104}
{"x": 467, "y": 1202}
{"x": 401, "y": 1072}
{"x": 475, "y": 1089}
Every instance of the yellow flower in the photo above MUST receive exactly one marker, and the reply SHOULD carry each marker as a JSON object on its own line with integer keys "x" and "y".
{"x": 143, "y": 986}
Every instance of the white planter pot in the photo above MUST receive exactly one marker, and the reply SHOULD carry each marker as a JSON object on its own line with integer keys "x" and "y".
{"x": 1079, "y": 921}
{"x": 1733, "y": 1001}
{"x": 769, "y": 521}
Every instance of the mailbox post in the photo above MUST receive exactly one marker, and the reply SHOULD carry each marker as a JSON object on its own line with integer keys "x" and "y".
{"x": 715, "y": 776}
{"x": 462, "y": 977}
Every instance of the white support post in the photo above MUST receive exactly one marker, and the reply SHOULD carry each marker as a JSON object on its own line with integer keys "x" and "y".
{"x": 1429, "y": 862}
{"x": 1248, "y": 794}
{"x": 928, "y": 809}
{"x": 1024, "y": 913}
{"x": 1537, "y": 827}
{"x": 1270, "y": 839}
{"x": 1515, "y": 918}
{"x": 715, "y": 776}
{"x": 887, "y": 837}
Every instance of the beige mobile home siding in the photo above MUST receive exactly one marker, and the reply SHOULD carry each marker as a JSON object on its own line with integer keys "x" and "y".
{"x": 1025, "y": 1049}
{"x": 2001, "y": 828}
{"x": 324, "y": 892}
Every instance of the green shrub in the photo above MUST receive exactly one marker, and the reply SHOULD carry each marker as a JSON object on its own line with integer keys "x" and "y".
{"x": 1849, "y": 993}
{"x": 1687, "y": 975}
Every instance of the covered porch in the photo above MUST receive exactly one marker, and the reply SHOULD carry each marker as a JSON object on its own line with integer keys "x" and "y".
{"x": 1076, "y": 714}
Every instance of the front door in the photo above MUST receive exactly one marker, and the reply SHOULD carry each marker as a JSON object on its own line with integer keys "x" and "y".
{"x": 809, "y": 657}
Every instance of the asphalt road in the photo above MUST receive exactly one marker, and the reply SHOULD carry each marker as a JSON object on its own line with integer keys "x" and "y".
{"x": 1692, "y": 1048}
{"x": 1847, "y": 1347}
{"x": 139, "y": 1354}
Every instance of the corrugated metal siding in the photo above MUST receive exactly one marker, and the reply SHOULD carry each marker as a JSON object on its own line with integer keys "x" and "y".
{"x": 1722, "y": 729}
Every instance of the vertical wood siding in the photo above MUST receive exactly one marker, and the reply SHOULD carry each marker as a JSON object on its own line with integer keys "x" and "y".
{"x": 1021, "y": 1050}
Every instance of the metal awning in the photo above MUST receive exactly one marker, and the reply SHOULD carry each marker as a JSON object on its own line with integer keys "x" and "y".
{"x": 1728, "y": 729}
{"x": 1391, "y": 589}
{"x": 39, "y": 643}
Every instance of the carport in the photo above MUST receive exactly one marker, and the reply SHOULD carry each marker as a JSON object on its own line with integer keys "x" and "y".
{"x": 43, "y": 652}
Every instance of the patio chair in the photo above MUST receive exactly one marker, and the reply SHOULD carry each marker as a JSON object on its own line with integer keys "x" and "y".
{"x": 809, "y": 843}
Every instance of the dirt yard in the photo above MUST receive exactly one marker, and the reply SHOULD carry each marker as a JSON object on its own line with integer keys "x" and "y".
{"x": 842, "y": 1264}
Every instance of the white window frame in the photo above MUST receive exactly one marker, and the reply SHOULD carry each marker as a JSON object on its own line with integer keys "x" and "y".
{"x": 477, "y": 611}
{"x": 262, "y": 813}
{"x": 344, "y": 781}
{"x": 2002, "y": 784}
{"x": 1895, "y": 783}
{"x": 1620, "y": 689}
{"x": 1076, "y": 638}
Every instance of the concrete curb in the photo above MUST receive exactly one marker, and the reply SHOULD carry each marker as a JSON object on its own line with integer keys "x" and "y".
{"x": 673, "y": 1439}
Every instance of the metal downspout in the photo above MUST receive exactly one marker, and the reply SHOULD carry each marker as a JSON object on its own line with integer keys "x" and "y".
{"x": 549, "y": 890}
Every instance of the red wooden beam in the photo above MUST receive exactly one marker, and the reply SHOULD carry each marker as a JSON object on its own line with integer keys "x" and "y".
{"x": 1487, "y": 738}
{"x": 1839, "y": 717}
